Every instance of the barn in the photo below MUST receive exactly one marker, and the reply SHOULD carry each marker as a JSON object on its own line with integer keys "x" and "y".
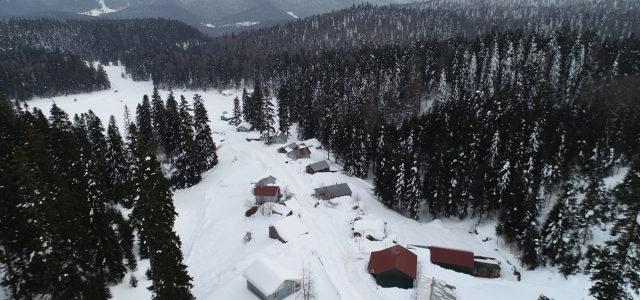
{"x": 266, "y": 194}
{"x": 453, "y": 259}
{"x": 301, "y": 152}
{"x": 394, "y": 267}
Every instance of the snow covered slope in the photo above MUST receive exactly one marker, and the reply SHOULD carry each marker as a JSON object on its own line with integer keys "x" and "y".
{"x": 211, "y": 221}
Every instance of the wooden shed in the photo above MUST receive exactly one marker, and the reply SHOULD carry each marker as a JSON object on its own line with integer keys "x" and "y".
{"x": 266, "y": 194}
{"x": 394, "y": 267}
{"x": 486, "y": 269}
{"x": 453, "y": 259}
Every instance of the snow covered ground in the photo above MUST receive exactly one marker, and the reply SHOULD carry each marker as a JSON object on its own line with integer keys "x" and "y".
{"x": 211, "y": 221}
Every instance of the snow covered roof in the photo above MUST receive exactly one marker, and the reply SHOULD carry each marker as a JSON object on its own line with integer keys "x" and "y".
{"x": 313, "y": 143}
{"x": 435, "y": 289}
{"x": 267, "y": 180}
{"x": 254, "y": 136}
{"x": 290, "y": 228}
{"x": 281, "y": 209}
{"x": 323, "y": 164}
{"x": 332, "y": 191}
{"x": 291, "y": 146}
{"x": 294, "y": 205}
{"x": 245, "y": 125}
{"x": 370, "y": 226}
{"x": 281, "y": 135}
{"x": 267, "y": 275}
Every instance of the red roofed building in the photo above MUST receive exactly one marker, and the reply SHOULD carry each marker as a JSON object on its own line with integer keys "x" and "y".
{"x": 453, "y": 259}
{"x": 266, "y": 194}
{"x": 394, "y": 267}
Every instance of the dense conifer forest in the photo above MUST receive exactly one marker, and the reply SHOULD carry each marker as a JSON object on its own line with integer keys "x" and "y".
{"x": 465, "y": 113}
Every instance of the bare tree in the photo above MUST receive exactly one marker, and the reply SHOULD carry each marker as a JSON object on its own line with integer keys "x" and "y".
{"x": 266, "y": 208}
{"x": 307, "y": 284}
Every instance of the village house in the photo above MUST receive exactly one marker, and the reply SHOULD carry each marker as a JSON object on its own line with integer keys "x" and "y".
{"x": 244, "y": 127}
{"x": 321, "y": 166}
{"x": 332, "y": 191}
{"x": 288, "y": 148}
{"x": 269, "y": 280}
{"x": 299, "y": 153}
{"x": 279, "y": 138}
{"x": 287, "y": 229}
{"x": 266, "y": 194}
{"x": 265, "y": 181}
{"x": 394, "y": 267}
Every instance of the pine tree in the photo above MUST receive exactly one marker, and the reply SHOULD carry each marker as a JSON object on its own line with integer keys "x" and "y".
{"x": 144, "y": 121}
{"x": 618, "y": 265}
{"x": 154, "y": 215}
{"x": 172, "y": 121}
{"x": 284, "y": 121}
{"x": 116, "y": 165}
{"x": 267, "y": 122}
{"x": 559, "y": 232}
{"x": 187, "y": 163}
{"x": 158, "y": 120}
{"x": 237, "y": 111}
{"x": 206, "y": 148}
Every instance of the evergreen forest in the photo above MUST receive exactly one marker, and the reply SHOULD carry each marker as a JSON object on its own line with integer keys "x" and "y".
{"x": 495, "y": 112}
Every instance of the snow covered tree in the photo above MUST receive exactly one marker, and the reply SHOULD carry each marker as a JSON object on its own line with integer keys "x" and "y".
{"x": 172, "y": 125}
{"x": 237, "y": 110}
{"x": 188, "y": 162}
{"x": 158, "y": 120}
{"x": 617, "y": 269}
{"x": 144, "y": 121}
{"x": 559, "y": 232}
{"x": 117, "y": 167}
{"x": 206, "y": 147}
{"x": 284, "y": 119}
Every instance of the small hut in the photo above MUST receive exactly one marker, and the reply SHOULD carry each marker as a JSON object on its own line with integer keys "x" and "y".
{"x": 265, "y": 181}
{"x": 486, "y": 269}
{"x": 244, "y": 127}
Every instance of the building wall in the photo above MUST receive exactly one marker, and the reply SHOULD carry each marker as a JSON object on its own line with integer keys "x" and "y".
{"x": 461, "y": 269}
{"x": 394, "y": 278}
{"x": 263, "y": 199}
{"x": 282, "y": 290}
{"x": 242, "y": 129}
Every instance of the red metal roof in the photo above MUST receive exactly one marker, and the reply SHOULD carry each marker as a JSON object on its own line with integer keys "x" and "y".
{"x": 397, "y": 257}
{"x": 266, "y": 190}
{"x": 451, "y": 256}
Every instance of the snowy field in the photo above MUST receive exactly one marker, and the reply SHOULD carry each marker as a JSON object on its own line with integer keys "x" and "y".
{"x": 211, "y": 221}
